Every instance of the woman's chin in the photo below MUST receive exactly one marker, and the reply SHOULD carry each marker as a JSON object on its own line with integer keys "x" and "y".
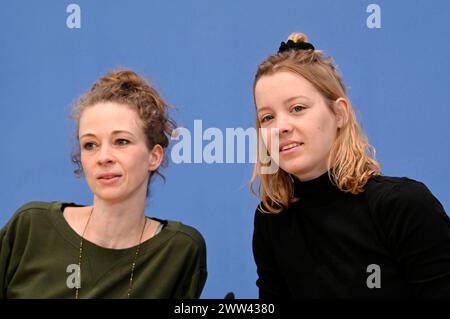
{"x": 109, "y": 196}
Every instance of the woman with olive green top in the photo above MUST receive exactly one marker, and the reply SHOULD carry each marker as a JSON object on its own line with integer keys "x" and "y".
{"x": 39, "y": 253}
{"x": 108, "y": 249}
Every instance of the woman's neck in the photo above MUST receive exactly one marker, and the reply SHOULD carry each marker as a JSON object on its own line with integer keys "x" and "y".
{"x": 116, "y": 225}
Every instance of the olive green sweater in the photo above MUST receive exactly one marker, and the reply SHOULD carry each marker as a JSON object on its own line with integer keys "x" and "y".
{"x": 39, "y": 255}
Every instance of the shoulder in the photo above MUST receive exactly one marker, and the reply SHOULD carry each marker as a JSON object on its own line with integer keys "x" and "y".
{"x": 266, "y": 222}
{"x": 185, "y": 234}
{"x": 389, "y": 196}
{"x": 389, "y": 188}
{"x": 33, "y": 209}
{"x": 28, "y": 216}
{"x": 382, "y": 183}
{"x": 262, "y": 215}
{"x": 35, "y": 206}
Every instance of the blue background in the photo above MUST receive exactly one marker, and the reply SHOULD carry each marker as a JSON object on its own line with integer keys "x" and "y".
{"x": 202, "y": 56}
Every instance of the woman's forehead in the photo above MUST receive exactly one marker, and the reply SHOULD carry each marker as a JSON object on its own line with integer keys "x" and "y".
{"x": 282, "y": 86}
{"x": 109, "y": 116}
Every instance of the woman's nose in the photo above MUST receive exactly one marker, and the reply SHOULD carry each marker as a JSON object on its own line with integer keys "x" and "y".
{"x": 284, "y": 125}
{"x": 105, "y": 155}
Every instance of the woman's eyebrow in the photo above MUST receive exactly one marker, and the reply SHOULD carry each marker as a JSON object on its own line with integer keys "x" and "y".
{"x": 122, "y": 131}
{"x": 287, "y": 101}
{"x": 87, "y": 134}
{"x": 292, "y": 98}
{"x": 263, "y": 109}
{"x": 114, "y": 133}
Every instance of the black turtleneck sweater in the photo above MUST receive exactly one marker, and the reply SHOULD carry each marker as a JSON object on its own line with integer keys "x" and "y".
{"x": 391, "y": 241}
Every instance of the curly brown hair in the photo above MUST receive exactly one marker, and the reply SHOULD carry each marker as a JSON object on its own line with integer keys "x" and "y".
{"x": 126, "y": 87}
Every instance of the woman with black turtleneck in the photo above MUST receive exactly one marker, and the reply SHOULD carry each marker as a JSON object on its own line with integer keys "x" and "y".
{"x": 329, "y": 225}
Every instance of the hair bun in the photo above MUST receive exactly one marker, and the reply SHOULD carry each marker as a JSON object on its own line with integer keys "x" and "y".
{"x": 124, "y": 79}
{"x": 296, "y": 41}
{"x": 296, "y": 36}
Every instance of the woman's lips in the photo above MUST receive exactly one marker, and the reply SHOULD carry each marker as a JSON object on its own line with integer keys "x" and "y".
{"x": 291, "y": 149}
{"x": 108, "y": 180}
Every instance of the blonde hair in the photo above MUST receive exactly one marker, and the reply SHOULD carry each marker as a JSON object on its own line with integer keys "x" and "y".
{"x": 351, "y": 162}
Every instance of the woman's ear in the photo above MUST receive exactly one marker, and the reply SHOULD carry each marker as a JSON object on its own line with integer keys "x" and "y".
{"x": 155, "y": 157}
{"x": 341, "y": 110}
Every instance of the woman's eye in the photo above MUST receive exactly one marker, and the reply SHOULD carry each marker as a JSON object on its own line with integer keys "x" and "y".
{"x": 88, "y": 146}
{"x": 122, "y": 141}
{"x": 266, "y": 118}
{"x": 298, "y": 108}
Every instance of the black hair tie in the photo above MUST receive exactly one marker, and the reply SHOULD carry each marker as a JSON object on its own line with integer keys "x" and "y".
{"x": 298, "y": 45}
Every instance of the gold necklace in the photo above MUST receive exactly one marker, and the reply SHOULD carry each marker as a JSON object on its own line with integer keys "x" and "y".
{"x": 133, "y": 265}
